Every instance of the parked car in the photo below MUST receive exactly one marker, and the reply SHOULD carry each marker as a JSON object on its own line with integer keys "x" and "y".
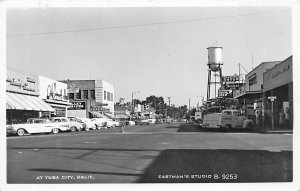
{"x": 152, "y": 121}
{"x": 34, "y": 125}
{"x": 89, "y": 124}
{"x": 63, "y": 122}
{"x": 73, "y": 124}
{"x": 158, "y": 121}
{"x": 131, "y": 123}
{"x": 100, "y": 122}
{"x": 111, "y": 123}
{"x": 145, "y": 122}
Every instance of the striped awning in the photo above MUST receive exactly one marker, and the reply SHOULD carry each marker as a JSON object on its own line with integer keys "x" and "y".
{"x": 26, "y": 102}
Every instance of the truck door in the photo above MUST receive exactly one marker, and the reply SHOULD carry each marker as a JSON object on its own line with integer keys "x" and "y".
{"x": 239, "y": 119}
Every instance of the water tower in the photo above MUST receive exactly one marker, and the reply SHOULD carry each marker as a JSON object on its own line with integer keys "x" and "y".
{"x": 214, "y": 70}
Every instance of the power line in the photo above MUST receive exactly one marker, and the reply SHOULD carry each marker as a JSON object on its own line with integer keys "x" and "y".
{"x": 139, "y": 25}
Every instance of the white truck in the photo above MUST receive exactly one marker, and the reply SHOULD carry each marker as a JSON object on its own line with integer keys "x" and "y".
{"x": 227, "y": 119}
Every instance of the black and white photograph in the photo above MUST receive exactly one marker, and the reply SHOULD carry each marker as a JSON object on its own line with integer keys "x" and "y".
{"x": 110, "y": 95}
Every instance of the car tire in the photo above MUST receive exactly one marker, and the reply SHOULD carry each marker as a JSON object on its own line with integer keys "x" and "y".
{"x": 55, "y": 131}
{"x": 87, "y": 129}
{"x": 73, "y": 129}
{"x": 21, "y": 132}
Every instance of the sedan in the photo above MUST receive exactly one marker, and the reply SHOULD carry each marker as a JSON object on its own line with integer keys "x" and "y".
{"x": 89, "y": 123}
{"x": 34, "y": 125}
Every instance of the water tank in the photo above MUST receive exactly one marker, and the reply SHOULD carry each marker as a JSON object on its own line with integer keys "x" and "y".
{"x": 214, "y": 57}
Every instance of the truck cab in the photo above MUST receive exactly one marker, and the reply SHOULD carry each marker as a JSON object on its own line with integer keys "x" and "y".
{"x": 227, "y": 119}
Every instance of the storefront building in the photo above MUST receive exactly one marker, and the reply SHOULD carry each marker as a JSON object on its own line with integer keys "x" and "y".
{"x": 251, "y": 96}
{"x": 22, "y": 97}
{"x": 90, "y": 98}
{"x": 55, "y": 94}
{"x": 278, "y": 88}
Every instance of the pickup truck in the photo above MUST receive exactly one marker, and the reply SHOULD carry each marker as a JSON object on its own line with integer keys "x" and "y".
{"x": 227, "y": 119}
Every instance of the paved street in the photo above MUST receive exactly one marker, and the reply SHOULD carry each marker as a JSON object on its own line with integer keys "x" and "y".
{"x": 150, "y": 154}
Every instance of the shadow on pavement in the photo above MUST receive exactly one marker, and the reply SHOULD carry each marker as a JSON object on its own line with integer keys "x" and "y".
{"x": 193, "y": 166}
{"x": 219, "y": 166}
{"x": 186, "y": 127}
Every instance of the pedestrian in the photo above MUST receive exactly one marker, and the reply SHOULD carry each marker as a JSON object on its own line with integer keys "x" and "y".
{"x": 281, "y": 118}
{"x": 257, "y": 118}
{"x": 286, "y": 117}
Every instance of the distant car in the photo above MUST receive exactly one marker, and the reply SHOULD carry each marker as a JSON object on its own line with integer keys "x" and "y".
{"x": 152, "y": 120}
{"x": 137, "y": 122}
{"x": 100, "y": 122}
{"x": 89, "y": 123}
{"x": 131, "y": 123}
{"x": 112, "y": 124}
{"x": 34, "y": 125}
{"x": 158, "y": 121}
{"x": 75, "y": 124}
{"x": 145, "y": 122}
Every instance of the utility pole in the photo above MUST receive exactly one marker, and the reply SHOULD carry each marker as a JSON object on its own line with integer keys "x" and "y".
{"x": 169, "y": 104}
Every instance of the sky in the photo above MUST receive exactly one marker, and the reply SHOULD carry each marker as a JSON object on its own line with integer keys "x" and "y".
{"x": 159, "y": 51}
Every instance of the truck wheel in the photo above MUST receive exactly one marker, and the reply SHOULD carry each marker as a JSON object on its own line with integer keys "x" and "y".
{"x": 227, "y": 127}
{"x": 249, "y": 126}
{"x": 21, "y": 132}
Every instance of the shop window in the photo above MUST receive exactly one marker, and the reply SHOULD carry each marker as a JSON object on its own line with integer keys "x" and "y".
{"x": 71, "y": 95}
{"x": 104, "y": 95}
{"x": 85, "y": 94}
{"x": 108, "y": 96}
{"x": 78, "y": 95}
{"x": 112, "y": 95}
{"x": 92, "y": 94}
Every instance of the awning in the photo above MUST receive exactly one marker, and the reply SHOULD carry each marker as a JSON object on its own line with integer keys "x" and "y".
{"x": 97, "y": 114}
{"x": 249, "y": 93}
{"x": 26, "y": 102}
{"x": 121, "y": 116}
{"x": 108, "y": 115}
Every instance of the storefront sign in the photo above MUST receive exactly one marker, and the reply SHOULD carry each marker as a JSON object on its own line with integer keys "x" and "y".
{"x": 252, "y": 79}
{"x": 32, "y": 80}
{"x": 18, "y": 82}
{"x": 233, "y": 78}
{"x": 272, "y": 98}
{"x": 101, "y": 104}
{"x": 98, "y": 108}
{"x": 224, "y": 93}
{"x": 78, "y": 105}
{"x": 281, "y": 71}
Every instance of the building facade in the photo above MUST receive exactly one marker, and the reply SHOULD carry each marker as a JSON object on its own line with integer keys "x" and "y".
{"x": 22, "y": 97}
{"x": 250, "y": 98}
{"x": 55, "y": 94}
{"x": 90, "y": 98}
{"x": 278, "y": 84}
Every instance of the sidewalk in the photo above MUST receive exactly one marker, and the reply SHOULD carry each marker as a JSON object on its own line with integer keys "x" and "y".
{"x": 268, "y": 130}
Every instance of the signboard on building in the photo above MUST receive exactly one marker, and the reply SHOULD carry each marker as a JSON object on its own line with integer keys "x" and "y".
{"x": 52, "y": 89}
{"x": 21, "y": 82}
{"x": 233, "y": 78}
{"x": 78, "y": 105}
{"x": 224, "y": 93}
{"x": 279, "y": 75}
